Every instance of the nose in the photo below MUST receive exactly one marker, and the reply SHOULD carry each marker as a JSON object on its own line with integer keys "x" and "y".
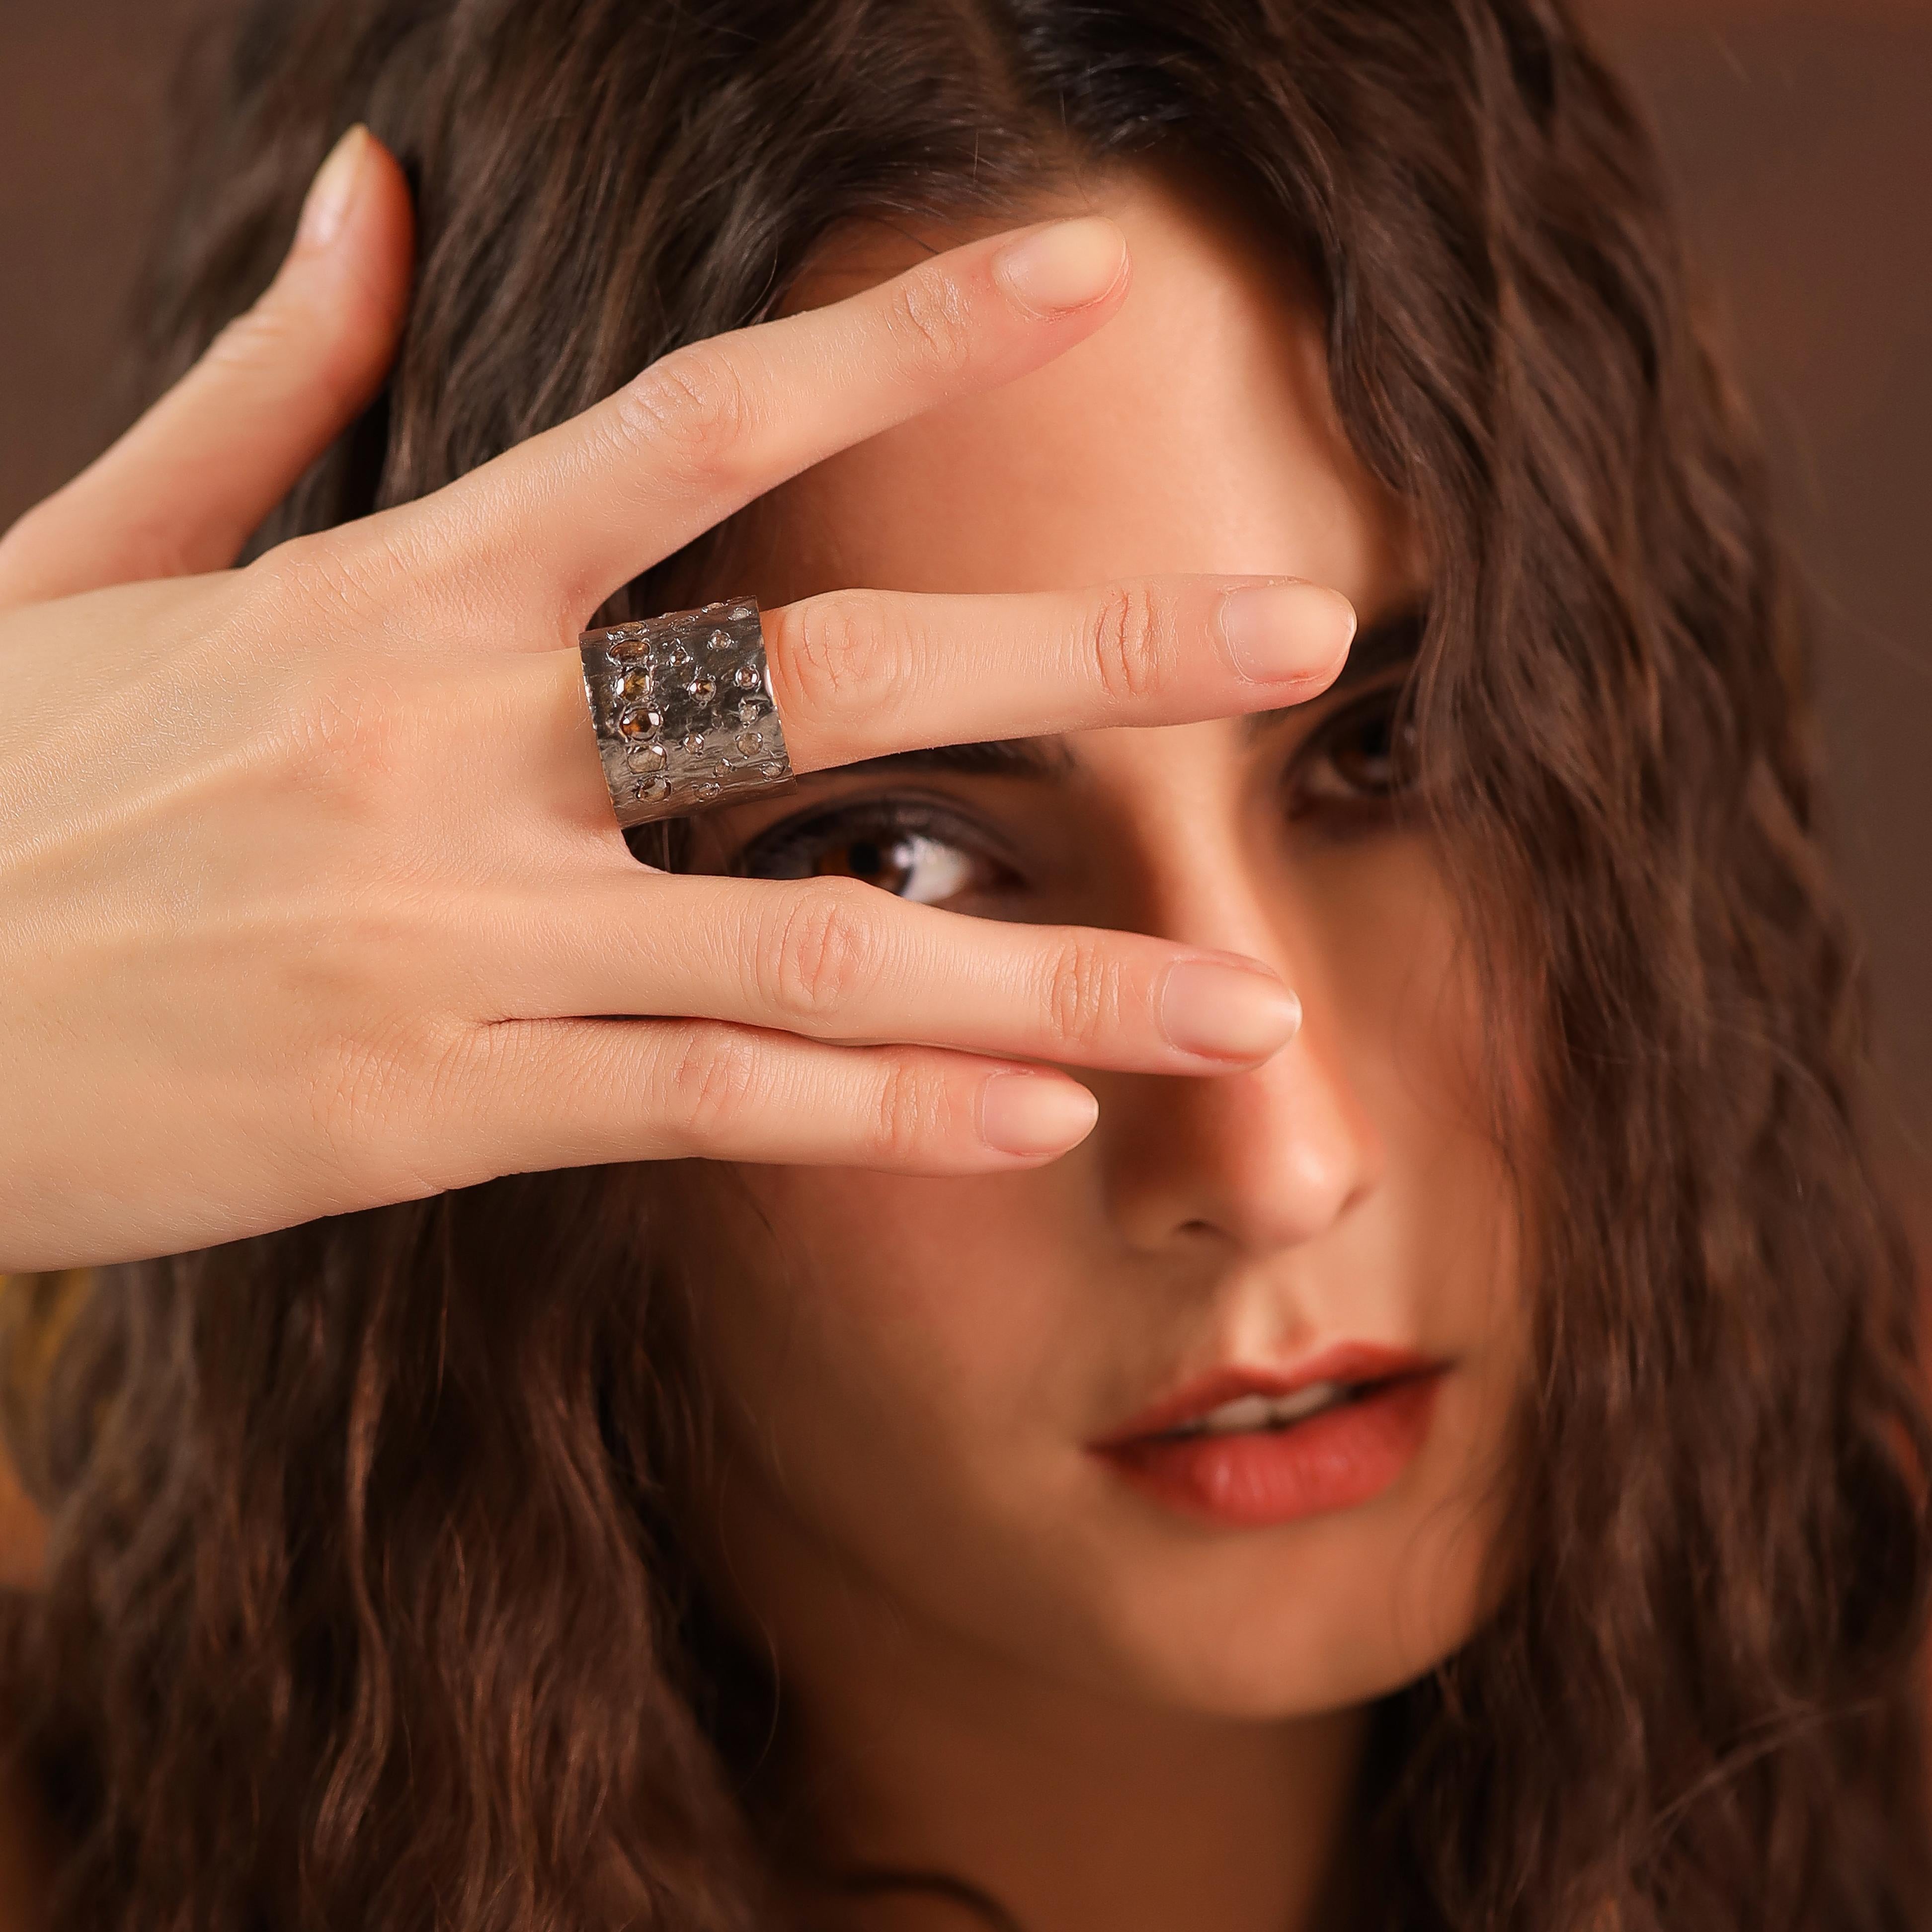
{"x": 1259, "y": 1161}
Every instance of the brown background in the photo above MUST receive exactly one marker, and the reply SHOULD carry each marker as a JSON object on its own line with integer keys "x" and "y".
{"x": 1799, "y": 132}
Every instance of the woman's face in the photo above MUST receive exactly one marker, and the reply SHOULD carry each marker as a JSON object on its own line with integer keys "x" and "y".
{"x": 1025, "y": 1421}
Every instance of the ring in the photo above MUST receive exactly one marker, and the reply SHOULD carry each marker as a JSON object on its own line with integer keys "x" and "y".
{"x": 683, "y": 708}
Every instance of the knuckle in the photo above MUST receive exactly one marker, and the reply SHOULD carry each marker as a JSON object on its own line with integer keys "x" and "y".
{"x": 271, "y": 334}
{"x": 831, "y": 658}
{"x": 378, "y": 567}
{"x": 345, "y": 719}
{"x": 339, "y": 736}
{"x": 1084, "y": 991}
{"x": 690, "y": 407}
{"x": 373, "y": 1088}
{"x": 825, "y": 951}
{"x": 911, "y": 1112}
{"x": 330, "y": 343}
{"x": 312, "y": 583}
{"x": 714, "y": 1082}
{"x": 385, "y": 582}
{"x": 1128, "y": 641}
{"x": 342, "y": 737}
{"x": 930, "y": 313}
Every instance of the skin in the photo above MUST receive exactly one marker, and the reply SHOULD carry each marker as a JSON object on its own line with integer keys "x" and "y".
{"x": 998, "y": 1660}
{"x": 337, "y": 912}
{"x": 345, "y": 917}
{"x": 377, "y": 960}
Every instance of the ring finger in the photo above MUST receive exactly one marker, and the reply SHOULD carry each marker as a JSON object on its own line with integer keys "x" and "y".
{"x": 839, "y": 960}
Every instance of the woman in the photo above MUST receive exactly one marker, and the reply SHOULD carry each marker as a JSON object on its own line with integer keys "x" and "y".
{"x": 1459, "y": 1466}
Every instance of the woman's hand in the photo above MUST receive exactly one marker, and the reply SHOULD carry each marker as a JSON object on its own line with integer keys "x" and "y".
{"x": 311, "y": 897}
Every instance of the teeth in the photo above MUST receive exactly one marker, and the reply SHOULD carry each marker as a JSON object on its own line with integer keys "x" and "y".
{"x": 1260, "y": 1411}
{"x": 1247, "y": 1411}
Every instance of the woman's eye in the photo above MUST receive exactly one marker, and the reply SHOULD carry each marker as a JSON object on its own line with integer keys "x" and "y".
{"x": 911, "y": 862}
{"x": 1365, "y": 755}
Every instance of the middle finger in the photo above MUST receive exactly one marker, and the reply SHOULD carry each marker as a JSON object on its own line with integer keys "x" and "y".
{"x": 859, "y": 674}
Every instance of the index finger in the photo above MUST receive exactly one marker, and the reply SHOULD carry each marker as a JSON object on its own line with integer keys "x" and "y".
{"x": 579, "y": 510}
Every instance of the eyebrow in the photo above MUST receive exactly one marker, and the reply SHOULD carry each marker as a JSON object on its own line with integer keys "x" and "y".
{"x": 1389, "y": 644}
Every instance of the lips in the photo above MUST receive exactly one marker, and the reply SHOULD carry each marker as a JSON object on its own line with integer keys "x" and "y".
{"x": 1248, "y": 1449}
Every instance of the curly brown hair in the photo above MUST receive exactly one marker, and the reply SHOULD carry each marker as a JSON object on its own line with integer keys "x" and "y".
{"x": 365, "y": 1603}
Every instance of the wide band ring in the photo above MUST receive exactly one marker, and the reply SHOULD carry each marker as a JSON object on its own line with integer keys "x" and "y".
{"x": 683, "y": 712}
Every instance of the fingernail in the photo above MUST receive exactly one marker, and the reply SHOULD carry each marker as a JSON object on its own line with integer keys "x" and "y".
{"x": 1035, "y": 1113}
{"x": 1277, "y": 631}
{"x": 1227, "y": 1012}
{"x": 333, "y": 191}
{"x": 1063, "y": 267}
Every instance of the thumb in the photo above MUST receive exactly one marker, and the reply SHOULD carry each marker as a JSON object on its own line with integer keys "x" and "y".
{"x": 181, "y": 492}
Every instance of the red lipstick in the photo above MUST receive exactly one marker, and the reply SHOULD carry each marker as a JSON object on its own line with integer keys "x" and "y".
{"x": 1248, "y": 1449}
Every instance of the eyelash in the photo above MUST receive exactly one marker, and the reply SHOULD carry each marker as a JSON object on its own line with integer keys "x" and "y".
{"x": 787, "y": 850}
{"x": 911, "y": 830}
{"x": 1382, "y": 711}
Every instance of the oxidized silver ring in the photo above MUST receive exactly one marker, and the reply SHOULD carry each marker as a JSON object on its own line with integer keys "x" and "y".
{"x": 683, "y": 711}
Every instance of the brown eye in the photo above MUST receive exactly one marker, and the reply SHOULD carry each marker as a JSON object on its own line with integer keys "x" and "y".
{"x": 909, "y": 864}
{"x": 923, "y": 859}
{"x": 1364, "y": 756}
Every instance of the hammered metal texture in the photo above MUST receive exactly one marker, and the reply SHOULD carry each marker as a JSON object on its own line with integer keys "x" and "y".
{"x": 683, "y": 706}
